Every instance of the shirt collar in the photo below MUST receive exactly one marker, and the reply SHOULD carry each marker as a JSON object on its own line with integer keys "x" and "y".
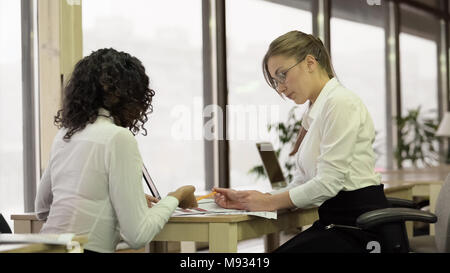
{"x": 316, "y": 108}
{"x": 105, "y": 113}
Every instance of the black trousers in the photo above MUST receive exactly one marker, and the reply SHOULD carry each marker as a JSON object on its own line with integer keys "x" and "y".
{"x": 343, "y": 209}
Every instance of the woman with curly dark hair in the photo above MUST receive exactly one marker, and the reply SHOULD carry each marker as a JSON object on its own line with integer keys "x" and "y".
{"x": 93, "y": 182}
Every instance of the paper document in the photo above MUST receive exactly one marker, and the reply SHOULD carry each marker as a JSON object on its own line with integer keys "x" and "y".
{"x": 209, "y": 207}
{"x": 49, "y": 239}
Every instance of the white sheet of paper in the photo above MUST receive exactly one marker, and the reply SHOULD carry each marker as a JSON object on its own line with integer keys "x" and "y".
{"x": 209, "y": 207}
{"x": 52, "y": 239}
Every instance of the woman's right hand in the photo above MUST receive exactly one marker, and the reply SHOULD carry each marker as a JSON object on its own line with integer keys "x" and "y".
{"x": 185, "y": 196}
{"x": 244, "y": 200}
{"x": 228, "y": 198}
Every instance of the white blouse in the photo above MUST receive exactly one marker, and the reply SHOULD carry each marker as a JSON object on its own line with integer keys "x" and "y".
{"x": 336, "y": 153}
{"x": 93, "y": 185}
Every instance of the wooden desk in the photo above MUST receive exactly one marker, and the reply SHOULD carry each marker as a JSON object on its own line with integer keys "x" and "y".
{"x": 26, "y": 223}
{"x": 223, "y": 232}
{"x": 426, "y": 182}
{"x": 40, "y": 248}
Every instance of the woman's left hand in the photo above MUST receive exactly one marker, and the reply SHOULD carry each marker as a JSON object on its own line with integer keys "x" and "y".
{"x": 246, "y": 200}
{"x": 151, "y": 200}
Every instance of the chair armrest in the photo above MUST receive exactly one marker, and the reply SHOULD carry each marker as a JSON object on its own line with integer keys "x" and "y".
{"x": 401, "y": 203}
{"x": 381, "y": 216}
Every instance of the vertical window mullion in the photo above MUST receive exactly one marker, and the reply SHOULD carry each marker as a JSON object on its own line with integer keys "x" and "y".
{"x": 393, "y": 94}
{"x": 28, "y": 106}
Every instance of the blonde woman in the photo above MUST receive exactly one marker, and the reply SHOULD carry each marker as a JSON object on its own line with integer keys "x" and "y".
{"x": 334, "y": 156}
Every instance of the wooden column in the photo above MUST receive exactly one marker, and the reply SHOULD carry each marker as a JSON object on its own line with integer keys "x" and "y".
{"x": 60, "y": 47}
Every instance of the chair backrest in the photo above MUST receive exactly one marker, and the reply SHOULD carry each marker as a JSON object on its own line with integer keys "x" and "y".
{"x": 442, "y": 236}
{"x": 4, "y": 227}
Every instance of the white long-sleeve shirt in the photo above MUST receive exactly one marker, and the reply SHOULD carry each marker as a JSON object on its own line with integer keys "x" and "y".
{"x": 336, "y": 153}
{"x": 93, "y": 185}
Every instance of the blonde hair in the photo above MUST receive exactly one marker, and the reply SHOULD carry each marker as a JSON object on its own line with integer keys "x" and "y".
{"x": 298, "y": 45}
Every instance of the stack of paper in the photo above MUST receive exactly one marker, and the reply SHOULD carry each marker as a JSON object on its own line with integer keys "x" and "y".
{"x": 209, "y": 207}
{"x": 49, "y": 239}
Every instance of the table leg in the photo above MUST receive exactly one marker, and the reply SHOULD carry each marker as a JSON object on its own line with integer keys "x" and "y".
{"x": 434, "y": 192}
{"x": 408, "y": 195}
{"x": 223, "y": 237}
{"x": 271, "y": 242}
{"x": 159, "y": 247}
{"x": 22, "y": 226}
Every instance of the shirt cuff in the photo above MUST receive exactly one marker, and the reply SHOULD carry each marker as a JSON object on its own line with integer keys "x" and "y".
{"x": 303, "y": 196}
{"x": 298, "y": 197}
{"x": 298, "y": 180}
{"x": 169, "y": 201}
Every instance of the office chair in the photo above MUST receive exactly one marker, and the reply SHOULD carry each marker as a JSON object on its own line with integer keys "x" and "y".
{"x": 389, "y": 225}
{"x": 4, "y": 227}
{"x": 406, "y": 210}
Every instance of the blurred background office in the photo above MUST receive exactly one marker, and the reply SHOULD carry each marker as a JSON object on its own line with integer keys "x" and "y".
{"x": 198, "y": 53}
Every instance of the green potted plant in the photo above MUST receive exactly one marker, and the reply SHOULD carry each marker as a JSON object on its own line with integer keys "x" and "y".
{"x": 417, "y": 140}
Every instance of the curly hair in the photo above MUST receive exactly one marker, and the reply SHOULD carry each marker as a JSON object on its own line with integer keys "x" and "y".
{"x": 115, "y": 81}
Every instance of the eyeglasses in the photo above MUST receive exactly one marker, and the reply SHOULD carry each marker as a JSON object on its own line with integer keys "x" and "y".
{"x": 280, "y": 77}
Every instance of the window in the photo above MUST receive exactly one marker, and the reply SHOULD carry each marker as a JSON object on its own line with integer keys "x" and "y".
{"x": 419, "y": 33}
{"x": 358, "y": 56}
{"x": 11, "y": 164}
{"x": 252, "y": 103}
{"x": 418, "y": 64}
{"x": 168, "y": 41}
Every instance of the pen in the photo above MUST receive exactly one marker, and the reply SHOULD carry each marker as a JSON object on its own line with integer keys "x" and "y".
{"x": 206, "y": 196}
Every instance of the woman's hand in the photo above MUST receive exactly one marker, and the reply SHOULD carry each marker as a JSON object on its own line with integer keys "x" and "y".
{"x": 151, "y": 200}
{"x": 245, "y": 200}
{"x": 185, "y": 196}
